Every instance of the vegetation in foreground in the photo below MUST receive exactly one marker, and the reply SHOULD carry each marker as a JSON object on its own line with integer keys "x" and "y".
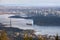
{"x": 19, "y": 34}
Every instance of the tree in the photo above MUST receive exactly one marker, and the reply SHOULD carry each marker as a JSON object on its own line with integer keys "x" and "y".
{"x": 40, "y": 38}
{"x": 31, "y": 37}
{"x": 3, "y": 36}
{"x": 26, "y": 36}
{"x": 56, "y": 38}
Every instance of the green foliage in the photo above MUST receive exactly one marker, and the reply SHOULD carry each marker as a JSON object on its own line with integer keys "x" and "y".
{"x": 3, "y": 36}
{"x": 26, "y": 37}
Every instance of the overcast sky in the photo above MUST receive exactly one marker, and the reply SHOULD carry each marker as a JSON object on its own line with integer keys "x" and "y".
{"x": 31, "y": 2}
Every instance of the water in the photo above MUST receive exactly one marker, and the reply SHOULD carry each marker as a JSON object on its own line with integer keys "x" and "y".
{"x": 20, "y": 23}
{"x": 51, "y": 30}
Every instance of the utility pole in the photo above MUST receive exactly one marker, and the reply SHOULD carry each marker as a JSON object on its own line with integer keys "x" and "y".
{"x": 10, "y": 23}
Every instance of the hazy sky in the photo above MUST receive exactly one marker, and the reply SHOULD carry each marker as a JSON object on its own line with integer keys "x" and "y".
{"x": 31, "y": 2}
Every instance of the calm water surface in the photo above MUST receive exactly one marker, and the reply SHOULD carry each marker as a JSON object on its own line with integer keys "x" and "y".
{"x": 20, "y": 23}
